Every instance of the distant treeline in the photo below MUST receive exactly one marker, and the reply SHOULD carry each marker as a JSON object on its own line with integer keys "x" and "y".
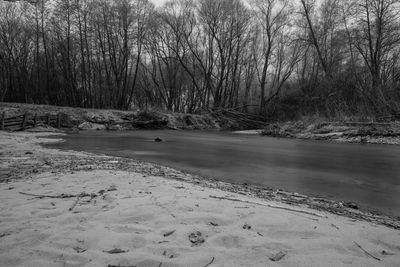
{"x": 279, "y": 58}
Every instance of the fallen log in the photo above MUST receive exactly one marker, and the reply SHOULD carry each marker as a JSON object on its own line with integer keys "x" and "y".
{"x": 366, "y": 252}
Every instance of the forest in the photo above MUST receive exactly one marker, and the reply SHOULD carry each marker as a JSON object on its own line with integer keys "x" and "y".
{"x": 281, "y": 59}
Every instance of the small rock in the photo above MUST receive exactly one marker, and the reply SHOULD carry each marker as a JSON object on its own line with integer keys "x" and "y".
{"x": 158, "y": 139}
{"x": 351, "y": 205}
{"x": 387, "y": 253}
{"x": 246, "y": 227}
{"x": 28, "y": 153}
{"x": 112, "y": 188}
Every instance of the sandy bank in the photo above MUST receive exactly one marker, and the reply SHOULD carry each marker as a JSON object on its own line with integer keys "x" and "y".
{"x": 79, "y": 209}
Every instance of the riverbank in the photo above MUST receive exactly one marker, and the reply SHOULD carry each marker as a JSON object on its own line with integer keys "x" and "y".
{"x": 337, "y": 131}
{"x": 78, "y": 119}
{"x": 28, "y": 117}
{"x": 77, "y": 209}
{"x": 75, "y": 119}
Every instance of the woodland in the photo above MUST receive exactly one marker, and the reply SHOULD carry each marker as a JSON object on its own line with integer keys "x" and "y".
{"x": 279, "y": 59}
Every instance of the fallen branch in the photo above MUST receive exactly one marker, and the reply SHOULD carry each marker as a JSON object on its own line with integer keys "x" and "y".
{"x": 366, "y": 252}
{"x": 56, "y": 196}
{"x": 75, "y": 203}
{"x": 79, "y": 249}
{"x": 269, "y": 206}
{"x": 208, "y": 264}
{"x": 116, "y": 251}
{"x": 169, "y": 233}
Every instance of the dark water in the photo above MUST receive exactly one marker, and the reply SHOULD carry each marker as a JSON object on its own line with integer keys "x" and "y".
{"x": 366, "y": 174}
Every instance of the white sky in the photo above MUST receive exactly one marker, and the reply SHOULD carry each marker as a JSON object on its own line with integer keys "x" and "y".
{"x": 158, "y": 2}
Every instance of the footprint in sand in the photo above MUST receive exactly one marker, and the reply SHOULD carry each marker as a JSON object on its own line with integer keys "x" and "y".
{"x": 228, "y": 241}
{"x": 169, "y": 254}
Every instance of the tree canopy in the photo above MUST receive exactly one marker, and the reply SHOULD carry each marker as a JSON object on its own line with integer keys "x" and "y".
{"x": 279, "y": 58}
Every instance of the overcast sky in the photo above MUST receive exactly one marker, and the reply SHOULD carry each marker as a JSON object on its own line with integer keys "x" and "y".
{"x": 158, "y": 2}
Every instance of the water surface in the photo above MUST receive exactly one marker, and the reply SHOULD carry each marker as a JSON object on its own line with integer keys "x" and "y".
{"x": 366, "y": 174}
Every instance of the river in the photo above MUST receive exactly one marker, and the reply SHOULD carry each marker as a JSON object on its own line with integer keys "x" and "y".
{"x": 366, "y": 174}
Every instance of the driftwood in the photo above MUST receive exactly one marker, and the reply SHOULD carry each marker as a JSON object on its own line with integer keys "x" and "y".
{"x": 269, "y": 206}
{"x": 79, "y": 249}
{"x": 75, "y": 203}
{"x": 169, "y": 233}
{"x": 278, "y": 256}
{"x": 366, "y": 252}
{"x": 115, "y": 251}
{"x": 208, "y": 264}
{"x": 63, "y": 196}
{"x": 56, "y": 196}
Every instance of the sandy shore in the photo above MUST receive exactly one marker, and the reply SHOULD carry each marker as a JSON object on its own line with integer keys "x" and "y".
{"x": 76, "y": 209}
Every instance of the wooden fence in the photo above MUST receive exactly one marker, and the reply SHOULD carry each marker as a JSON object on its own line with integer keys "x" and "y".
{"x": 28, "y": 120}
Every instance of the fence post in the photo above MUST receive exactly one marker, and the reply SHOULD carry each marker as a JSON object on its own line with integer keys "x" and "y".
{"x": 58, "y": 120}
{"x": 3, "y": 116}
{"x": 35, "y": 120}
{"x": 24, "y": 121}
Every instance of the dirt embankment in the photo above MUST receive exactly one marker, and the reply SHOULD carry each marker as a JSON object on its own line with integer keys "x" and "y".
{"x": 99, "y": 119}
{"x": 351, "y": 132}
{"x": 74, "y": 119}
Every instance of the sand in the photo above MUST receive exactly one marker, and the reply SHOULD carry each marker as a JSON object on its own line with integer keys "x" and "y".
{"x": 152, "y": 221}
